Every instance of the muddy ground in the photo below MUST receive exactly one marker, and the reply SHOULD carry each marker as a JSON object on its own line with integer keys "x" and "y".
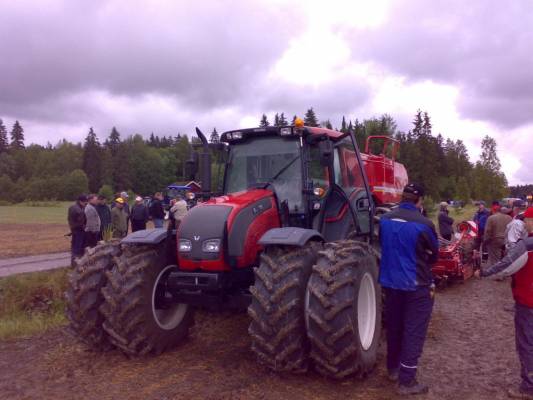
{"x": 469, "y": 354}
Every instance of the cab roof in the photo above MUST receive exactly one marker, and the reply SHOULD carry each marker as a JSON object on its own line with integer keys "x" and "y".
{"x": 275, "y": 130}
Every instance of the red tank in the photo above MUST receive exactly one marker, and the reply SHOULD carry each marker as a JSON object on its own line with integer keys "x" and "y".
{"x": 386, "y": 177}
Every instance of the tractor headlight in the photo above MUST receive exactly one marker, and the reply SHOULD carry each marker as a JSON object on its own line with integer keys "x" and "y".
{"x": 211, "y": 246}
{"x": 185, "y": 245}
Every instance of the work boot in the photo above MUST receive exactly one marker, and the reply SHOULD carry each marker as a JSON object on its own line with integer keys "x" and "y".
{"x": 517, "y": 393}
{"x": 412, "y": 388}
{"x": 393, "y": 374}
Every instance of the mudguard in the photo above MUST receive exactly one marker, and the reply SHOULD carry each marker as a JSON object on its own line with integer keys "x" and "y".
{"x": 146, "y": 236}
{"x": 290, "y": 236}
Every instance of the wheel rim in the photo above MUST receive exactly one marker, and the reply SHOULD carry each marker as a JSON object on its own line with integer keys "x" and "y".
{"x": 171, "y": 316}
{"x": 366, "y": 311}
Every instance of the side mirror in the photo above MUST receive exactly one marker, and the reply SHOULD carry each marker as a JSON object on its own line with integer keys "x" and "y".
{"x": 191, "y": 166}
{"x": 326, "y": 153}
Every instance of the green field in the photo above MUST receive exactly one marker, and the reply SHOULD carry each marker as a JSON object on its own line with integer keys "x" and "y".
{"x": 44, "y": 213}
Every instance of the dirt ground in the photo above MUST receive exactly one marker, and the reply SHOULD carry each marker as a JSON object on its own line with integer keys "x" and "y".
{"x": 32, "y": 239}
{"x": 469, "y": 354}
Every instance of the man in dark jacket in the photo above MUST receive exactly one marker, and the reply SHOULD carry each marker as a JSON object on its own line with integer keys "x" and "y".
{"x": 157, "y": 212}
{"x": 105, "y": 215}
{"x": 76, "y": 222}
{"x": 480, "y": 218}
{"x": 409, "y": 247}
{"x": 445, "y": 222}
{"x": 139, "y": 215}
{"x": 518, "y": 263}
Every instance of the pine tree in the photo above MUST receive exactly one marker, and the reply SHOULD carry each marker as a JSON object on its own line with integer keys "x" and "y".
{"x": 113, "y": 141}
{"x": 310, "y": 118}
{"x": 326, "y": 124}
{"x": 264, "y": 122}
{"x": 215, "y": 137}
{"x": 294, "y": 120}
{"x": 350, "y": 127}
{"x": 92, "y": 161}
{"x": 276, "y": 120}
{"x": 282, "y": 120}
{"x": 426, "y": 126}
{"x": 344, "y": 127}
{"x": 17, "y": 137}
{"x": 4, "y": 144}
{"x": 417, "y": 122}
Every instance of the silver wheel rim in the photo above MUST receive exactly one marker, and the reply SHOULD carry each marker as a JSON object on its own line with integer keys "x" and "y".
{"x": 366, "y": 311}
{"x": 170, "y": 318}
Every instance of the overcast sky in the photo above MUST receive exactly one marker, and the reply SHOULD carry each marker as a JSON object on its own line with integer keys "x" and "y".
{"x": 167, "y": 66}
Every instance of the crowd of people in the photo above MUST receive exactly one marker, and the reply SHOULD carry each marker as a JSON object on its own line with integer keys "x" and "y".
{"x": 91, "y": 219}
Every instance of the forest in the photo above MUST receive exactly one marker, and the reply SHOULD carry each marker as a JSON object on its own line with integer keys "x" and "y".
{"x": 113, "y": 163}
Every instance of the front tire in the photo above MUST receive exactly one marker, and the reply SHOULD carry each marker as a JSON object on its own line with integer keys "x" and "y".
{"x": 277, "y": 328}
{"x": 140, "y": 318}
{"x": 343, "y": 310}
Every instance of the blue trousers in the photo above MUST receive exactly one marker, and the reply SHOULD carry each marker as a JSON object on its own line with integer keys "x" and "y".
{"x": 407, "y": 315}
{"x": 523, "y": 321}
{"x": 158, "y": 223}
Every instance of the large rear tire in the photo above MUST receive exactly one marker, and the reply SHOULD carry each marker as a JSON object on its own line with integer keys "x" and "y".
{"x": 277, "y": 328}
{"x": 84, "y": 297}
{"x": 343, "y": 310}
{"x": 139, "y": 318}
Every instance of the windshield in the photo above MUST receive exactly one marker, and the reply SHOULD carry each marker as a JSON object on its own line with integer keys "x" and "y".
{"x": 265, "y": 160}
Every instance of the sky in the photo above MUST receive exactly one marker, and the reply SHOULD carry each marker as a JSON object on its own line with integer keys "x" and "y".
{"x": 167, "y": 66}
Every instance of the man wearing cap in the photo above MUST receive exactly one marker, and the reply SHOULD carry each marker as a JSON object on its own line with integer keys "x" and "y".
{"x": 139, "y": 215}
{"x": 409, "y": 247}
{"x": 76, "y": 222}
{"x": 494, "y": 238}
{"x": 518, "y": 263}
{"x": 119, "y": 219}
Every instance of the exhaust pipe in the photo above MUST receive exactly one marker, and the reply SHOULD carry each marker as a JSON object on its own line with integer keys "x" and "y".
{"x": 205, "y": 162}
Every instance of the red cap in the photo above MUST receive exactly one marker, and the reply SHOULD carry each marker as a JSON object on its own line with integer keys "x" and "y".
{"x": 529, "y": 213}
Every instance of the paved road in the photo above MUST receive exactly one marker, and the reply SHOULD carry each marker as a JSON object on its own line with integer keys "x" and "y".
{"x": 13, "y": 266}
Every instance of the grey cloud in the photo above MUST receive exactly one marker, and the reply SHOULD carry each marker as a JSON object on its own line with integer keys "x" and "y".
{"x": 484, "y": 47}
{"x": 204, "y": 52}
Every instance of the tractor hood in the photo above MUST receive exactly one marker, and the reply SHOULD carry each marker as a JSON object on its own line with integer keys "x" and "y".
{"x": 237, "y": 220}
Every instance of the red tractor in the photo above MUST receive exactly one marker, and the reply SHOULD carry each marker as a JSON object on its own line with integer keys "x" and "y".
{"x": 290, "y": 238}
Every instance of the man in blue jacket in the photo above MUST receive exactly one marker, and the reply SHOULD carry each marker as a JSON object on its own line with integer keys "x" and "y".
{"x": 409, "y": 247}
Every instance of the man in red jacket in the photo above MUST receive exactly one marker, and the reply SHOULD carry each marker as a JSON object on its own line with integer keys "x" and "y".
{"x": 519, "y": 264}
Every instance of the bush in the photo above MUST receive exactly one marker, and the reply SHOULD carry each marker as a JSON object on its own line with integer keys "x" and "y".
{"x": 5, "y": 203}
{"x": 75, "y": 183}
{"x": 429, "y": 205}
{"x": 50, "y": 203}
{"x": 7, "y": 185}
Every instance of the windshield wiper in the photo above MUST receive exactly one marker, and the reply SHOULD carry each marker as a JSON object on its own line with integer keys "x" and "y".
{"x": 282, "y": 170}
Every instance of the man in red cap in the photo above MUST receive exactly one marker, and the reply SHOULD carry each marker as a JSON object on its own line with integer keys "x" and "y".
{"x": 519, "y": 264}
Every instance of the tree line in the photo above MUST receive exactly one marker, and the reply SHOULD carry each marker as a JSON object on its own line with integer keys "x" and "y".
{"x": 144, "y": 166}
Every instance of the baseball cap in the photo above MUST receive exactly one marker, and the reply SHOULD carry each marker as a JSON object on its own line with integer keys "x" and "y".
{"x": 138, "y": 198}
{"x": 124, "y": 194}
{"x": 443, "y": 204}
{"x": 82, "y": 198}
{"x": 119, "y": 200}
{"x": 414, "y": 188}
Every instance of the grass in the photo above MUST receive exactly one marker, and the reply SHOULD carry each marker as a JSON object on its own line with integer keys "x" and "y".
{"x": 35, "y": 213}
{"x": 32, "y": 303}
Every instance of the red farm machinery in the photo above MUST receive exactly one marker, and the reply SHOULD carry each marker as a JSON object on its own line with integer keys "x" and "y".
{"x": 290, "y": 238}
